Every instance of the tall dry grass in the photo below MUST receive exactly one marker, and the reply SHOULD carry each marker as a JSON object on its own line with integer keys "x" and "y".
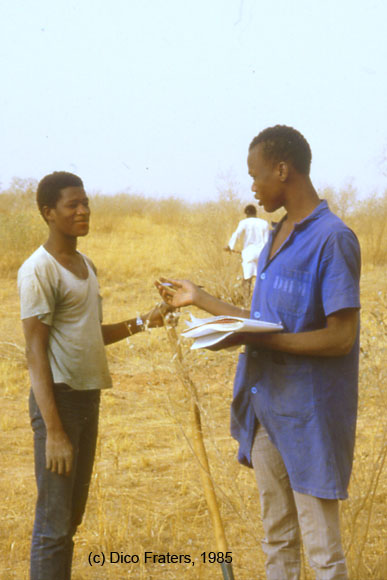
{"x": 146, "y": 493}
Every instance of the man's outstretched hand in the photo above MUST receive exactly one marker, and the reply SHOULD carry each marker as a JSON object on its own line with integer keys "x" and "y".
{"x": 177, "y": 293}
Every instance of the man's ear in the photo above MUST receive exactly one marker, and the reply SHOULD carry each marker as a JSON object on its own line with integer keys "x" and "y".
{"x": 283, "y": 170}
{"x": 47, "y": 212}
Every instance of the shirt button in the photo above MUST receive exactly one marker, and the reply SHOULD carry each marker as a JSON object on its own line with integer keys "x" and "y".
{"x": 253, "y": 390}
{"x": 254, "y": 354}
{"x": 263, "y": 276}
{"x": 257, "y": 314}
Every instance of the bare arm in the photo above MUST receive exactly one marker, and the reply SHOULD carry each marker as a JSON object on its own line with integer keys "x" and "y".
{"x": 184, "y": 293}
{"x": 59, "y": 451}
{"x": 336, "y": 339}
{"x": 120, "y": 330}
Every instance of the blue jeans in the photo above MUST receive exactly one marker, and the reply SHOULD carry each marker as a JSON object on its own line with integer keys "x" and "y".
{"x": 62, "y": 499}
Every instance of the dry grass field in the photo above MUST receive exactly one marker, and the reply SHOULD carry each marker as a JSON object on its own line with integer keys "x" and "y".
{"x": 146, "y": 493}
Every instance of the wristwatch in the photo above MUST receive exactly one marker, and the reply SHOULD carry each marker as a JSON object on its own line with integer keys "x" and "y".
{"x": 140, "y": 323}
{"x": 136, "y": 326}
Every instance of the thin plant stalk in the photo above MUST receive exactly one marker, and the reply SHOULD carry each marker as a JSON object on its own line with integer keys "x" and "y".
{"x": 201, "y": 453}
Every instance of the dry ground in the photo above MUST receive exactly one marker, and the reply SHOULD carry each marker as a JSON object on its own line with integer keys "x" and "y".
{"x": 146, "y": 493}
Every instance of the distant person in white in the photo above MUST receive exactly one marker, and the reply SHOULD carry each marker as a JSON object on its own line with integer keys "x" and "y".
{"x": 255, "y": 232}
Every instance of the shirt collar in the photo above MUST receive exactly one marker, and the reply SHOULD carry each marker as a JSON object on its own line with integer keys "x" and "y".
{"x": 318, "y": 211}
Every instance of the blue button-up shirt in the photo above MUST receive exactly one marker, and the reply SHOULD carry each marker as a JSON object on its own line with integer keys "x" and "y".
{"x": 306, "y": 403}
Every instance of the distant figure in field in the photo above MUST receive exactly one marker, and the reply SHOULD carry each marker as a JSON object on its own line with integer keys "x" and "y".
{"x": 65, "y": 344}
{"x": 255, "y": 233}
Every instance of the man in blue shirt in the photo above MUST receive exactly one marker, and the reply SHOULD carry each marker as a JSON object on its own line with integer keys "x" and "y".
{"x": 295, "y": 392}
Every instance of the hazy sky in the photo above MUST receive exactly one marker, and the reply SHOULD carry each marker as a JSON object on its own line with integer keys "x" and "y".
{"x": 163, "y": 97}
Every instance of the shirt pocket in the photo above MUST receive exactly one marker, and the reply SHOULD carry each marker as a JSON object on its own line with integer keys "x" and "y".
{"x": 291, "y": 291}
{"x": 291, "y": 390}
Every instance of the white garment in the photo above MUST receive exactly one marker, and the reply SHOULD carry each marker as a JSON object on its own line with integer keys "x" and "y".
{"x": 72, "y": 308}
{"x": 255, "y": 232}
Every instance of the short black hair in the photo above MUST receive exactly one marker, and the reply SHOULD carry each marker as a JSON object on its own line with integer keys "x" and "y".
{"x": 250, "y": 209}
{"x": 50, "y": 186}
{"x": 282, "y": 143}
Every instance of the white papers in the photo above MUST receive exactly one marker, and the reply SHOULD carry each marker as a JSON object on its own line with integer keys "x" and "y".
{"x": 209, "y": 331}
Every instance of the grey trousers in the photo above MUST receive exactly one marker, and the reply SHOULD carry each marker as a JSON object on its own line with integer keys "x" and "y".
{"x": 287, "y": 515}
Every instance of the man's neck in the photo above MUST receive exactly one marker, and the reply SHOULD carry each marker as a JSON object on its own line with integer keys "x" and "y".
{"x": 301, "y": 200}
{"x": 59, "y": 245}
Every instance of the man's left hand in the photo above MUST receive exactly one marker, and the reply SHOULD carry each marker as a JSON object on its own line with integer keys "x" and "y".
{"x": 158, "y": 315}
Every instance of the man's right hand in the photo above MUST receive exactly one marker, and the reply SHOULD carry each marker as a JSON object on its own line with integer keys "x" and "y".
{"x": 59, "y": 452}
{"x": 180, "y": 293}
{"x": 177, "y": 293}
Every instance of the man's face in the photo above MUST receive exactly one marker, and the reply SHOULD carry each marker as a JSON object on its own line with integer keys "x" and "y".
{"x": 71, "y": 214}
{"x": 267, "y": 186}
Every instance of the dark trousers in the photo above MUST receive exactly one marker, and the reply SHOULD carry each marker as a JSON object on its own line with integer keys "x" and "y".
{"x": 62, "y": 499}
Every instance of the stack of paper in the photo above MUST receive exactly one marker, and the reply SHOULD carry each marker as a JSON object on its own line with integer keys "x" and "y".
{"x": 209, "y": 331}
